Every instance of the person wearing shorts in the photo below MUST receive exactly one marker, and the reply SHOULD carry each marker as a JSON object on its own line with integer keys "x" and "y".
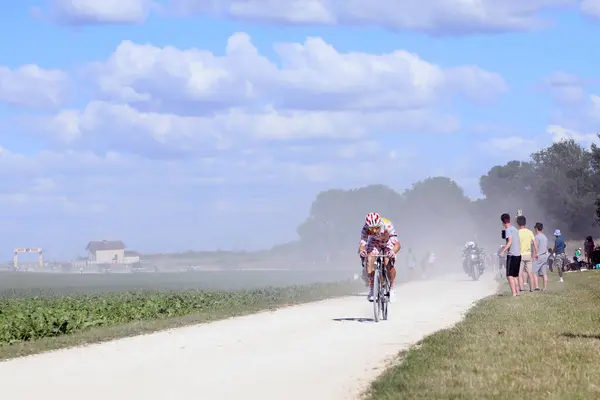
{"x": 560, "y": 256}
{"x": 529, "y": 252}
{"x": 541, "y": 264}
{"x": 512, "y": 249}
{"x": 379, "y": 236}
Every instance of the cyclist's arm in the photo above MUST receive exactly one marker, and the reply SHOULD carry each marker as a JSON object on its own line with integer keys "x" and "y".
{"x": 392, "y": 232}
{"x": 363, "y": 239}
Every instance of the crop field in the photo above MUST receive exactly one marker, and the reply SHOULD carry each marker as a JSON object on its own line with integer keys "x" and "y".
{"x": 28, "y": 319}
{"x": 43, "y": 311}
{"x": 33, "y": 284}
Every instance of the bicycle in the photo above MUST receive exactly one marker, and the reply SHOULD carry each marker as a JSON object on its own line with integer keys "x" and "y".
{"x": 381, "y": 288}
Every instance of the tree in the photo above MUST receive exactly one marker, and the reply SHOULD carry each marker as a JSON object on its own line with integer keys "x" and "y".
{"x": 557, "y": 186}
{"x": 436, "y": 210}
{"x": 595, "y": 179}
{"x": 511, "y": 182}
{"x": 336, "y": 216}
{"x": 507, "y": 188}
{"x": 565, "y": 185}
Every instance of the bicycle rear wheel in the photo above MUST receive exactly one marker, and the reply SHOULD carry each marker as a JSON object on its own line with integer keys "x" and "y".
{"x": 377, "y": 293}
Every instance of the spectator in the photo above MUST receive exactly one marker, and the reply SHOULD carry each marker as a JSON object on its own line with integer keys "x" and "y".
{"x": 541, "y": 262}
{"x": 512, "y": 249}
{"x": 588, "y": 248}
{"x": 577, "y": 260}
{"x": 596, "y": 256}
{"x": 528, "y": 244}
{"x": 560, "y": 257}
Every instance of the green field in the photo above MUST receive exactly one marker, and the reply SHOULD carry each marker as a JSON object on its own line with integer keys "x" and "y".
{"x": 540, "y": 345}
{"x": 26, "y": 284}
{"x": 31, "y": 324}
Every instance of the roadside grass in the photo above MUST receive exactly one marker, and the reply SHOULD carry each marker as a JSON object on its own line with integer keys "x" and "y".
{"x": 38, "y": 324}
{"x": 541, "y": 345}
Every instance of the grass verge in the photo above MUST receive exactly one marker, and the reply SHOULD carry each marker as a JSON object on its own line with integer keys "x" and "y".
{"x": 34, "y": 325}
{"x": 539, "y": 345}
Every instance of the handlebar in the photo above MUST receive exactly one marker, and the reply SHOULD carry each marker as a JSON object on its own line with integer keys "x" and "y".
{"x": 379, "y": 255}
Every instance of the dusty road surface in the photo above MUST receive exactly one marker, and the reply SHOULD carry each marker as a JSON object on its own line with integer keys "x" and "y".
{"x": 325, "y": 350}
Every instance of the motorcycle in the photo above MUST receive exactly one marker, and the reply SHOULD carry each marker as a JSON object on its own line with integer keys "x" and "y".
{"x": 474, "y": 265}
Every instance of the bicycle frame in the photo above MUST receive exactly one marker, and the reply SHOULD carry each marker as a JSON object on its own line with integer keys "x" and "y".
{"x": 381, "y": 288}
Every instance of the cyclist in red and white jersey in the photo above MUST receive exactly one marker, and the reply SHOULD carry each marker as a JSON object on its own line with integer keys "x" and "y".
{"x": 378, "y": 235}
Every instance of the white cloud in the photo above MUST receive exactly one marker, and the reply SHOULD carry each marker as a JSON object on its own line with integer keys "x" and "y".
{"x": 97, "y": 12}
{"x": 170, "y": 103}
{"x": 431, "y": 16}
{"x": 30, "y": 86}
{"x": 591, "y": 8}
{"x": 173, "y": 135}
{"x": 437, "y": 17}
{"x": 559, "y": 133}
{"x": 313, "y": 75}
{"x": 103, "y": 127}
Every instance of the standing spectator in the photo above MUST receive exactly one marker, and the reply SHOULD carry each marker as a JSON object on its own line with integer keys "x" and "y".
{"x": 513, "y": 254}
{"x": 560, "y": 257}
{"x": 527, "y": 255}
{"x": 540, "y": 264}
{"x": 588, "y": 249}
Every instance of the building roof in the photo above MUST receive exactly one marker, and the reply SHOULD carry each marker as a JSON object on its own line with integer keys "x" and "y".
{"x": 99, "y": 245}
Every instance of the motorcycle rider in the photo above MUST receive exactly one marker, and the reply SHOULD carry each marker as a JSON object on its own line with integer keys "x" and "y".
{"x": 378, "y": 234}
{"x": 470, "y": 248}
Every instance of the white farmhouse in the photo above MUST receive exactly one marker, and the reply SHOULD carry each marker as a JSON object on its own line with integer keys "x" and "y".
{"x": 106, "y": 251}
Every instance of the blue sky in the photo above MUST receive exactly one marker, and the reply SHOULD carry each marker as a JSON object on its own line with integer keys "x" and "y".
{"x": 204, "y": 124}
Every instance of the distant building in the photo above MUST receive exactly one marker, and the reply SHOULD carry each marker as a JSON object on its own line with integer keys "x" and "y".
{"x": 106, "y": 251}
{"x": 132, "y": 257}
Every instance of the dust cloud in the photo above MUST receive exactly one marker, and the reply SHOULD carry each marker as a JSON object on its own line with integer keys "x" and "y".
{"x": 433, "y": 216}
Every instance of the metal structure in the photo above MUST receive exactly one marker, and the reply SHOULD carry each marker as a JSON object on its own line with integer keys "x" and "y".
{"x": 28, "y": 250}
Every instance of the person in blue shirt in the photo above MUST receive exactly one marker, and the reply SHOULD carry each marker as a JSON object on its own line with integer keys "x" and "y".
{"x": 560, "y": 255}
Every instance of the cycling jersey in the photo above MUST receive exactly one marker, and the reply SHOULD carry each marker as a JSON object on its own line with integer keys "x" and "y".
{"x": 381, "y": 236}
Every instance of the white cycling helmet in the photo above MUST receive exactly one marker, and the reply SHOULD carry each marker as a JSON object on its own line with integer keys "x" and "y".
{"x": 469, "y": 244}
{"x": 373, "y": 220}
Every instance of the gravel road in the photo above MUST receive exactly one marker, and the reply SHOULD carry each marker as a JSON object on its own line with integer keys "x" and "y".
{"x": 327, "y": 350}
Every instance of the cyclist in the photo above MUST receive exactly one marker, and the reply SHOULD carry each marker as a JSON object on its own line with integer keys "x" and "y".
{"x": 378, "y": 235}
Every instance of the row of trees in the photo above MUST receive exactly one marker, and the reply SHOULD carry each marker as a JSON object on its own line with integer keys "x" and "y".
{"x": 557, "y": 186}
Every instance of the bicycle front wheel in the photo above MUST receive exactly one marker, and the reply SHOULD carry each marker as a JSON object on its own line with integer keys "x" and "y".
{"x": 377, "y": 294}
{"x": 385, "y": 298}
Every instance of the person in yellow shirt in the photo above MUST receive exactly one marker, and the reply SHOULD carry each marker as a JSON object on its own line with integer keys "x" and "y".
{"x": 528, "y": 244}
